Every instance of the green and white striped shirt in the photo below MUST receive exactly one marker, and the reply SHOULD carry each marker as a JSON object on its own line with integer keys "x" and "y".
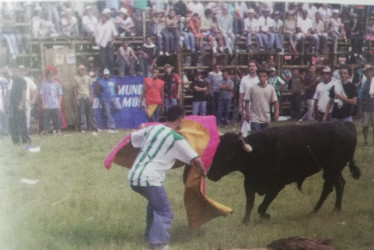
{"x": 160, "y": 146}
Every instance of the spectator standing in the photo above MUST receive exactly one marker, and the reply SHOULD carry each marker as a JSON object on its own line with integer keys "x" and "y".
{"x": 343, "y": 96}
{"x": 251, "y": 29}
{"x": 84, "y": 100}
{"x": 258, "y": 101}
{"x": 89, "y": 22}
{"x": 126, "y": 60}
{"x": 321, "y": 96}
{"x": 296, "y": 86}
{"x": 214, "y": 78}
{"x": 225, "y": 87}
{"x": 172, "y": 87}
{"x": 51, "y": 102}
{"x": 310, "y": 85}
{"x": 147, "y": 57}
{"x": 17, "y": 116}
{"x": 160, "y": 146}
{"x": 225, "y": 23}
{"x": 153, "y": 95}
{"x": 265, "y": 29}
{"x": 31, "y": 94}
{"x": 367, "y": 104}
{"x": 105, "y": 35}
{"x": 4, "y": 106}
{"x": 277, "y": 82}
{"x": 107, "y": 88}
{"x": 200, "y": 90}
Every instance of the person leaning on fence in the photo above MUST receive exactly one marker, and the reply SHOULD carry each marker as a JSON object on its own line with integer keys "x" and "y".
{"x": 172, "y": 87}
{"x": 160, "y": 146}
{"x": 200, "y": 92}
{"x": 84, "y": 100}
{"x": 106, "y": 88}
{"x": 147, "y": 57}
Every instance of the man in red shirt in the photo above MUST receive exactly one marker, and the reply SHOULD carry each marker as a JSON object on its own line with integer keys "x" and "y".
{"x": 153, "y": 94}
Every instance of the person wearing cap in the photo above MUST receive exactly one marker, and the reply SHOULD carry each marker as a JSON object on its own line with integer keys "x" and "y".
{"x": 336, "y": 29}
{"x": 258, "y": 101}
{"x": 251, "y": 29}
{"x": 51, "y": 102}
{"x": 200, "y": 90}
{"x": 311, "y": 80}
{"x": 172, "y": 87}
{"x": 321, "y": 95}
{"x": 153, "y": 96}
{"x": 266, "y": 24}
{"x": 89, "y": 22}
{"x": 17, "y": 116}
{"x": 69, "y": 24}
{"x": 276, "y": 81}
{"x": 104, "y": 38}
{"x": 367, "y": 103}
{"x": 31, "y": 94}
{"x": 289, "y": 30}
{"x": 126, "y": 60}
{"x": 343, "y": 96}
{"x": 83, "y": 96}
{"x": 305, "y": 32}
{"x": 107, "y": 88}
{"x": 125, "y": 23}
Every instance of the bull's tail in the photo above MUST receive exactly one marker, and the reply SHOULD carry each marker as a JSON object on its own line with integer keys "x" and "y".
{"x": 355, "y": 171}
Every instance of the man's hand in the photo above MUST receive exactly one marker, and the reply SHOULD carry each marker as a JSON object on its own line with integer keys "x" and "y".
{"x": 199, "y": 164}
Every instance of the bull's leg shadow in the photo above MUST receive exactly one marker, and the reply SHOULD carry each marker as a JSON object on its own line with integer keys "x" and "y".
{"x": 327, "y": 189}
{"x": 269, "y": 197}
{"x": 339, "y": 189}
{"x": 250, "y": 194}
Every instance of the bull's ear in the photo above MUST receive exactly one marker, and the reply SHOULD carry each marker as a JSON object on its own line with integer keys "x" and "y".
{"x": 246, "y": 147}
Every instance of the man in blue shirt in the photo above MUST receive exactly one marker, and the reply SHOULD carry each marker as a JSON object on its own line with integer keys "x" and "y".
{"x": 106, "y": 88}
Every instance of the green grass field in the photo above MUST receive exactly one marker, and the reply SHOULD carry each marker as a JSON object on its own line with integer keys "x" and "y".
{"x": 78, "y": 204}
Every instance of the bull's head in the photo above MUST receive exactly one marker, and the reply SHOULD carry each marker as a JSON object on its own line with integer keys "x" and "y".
{"x": 229, "y": 156}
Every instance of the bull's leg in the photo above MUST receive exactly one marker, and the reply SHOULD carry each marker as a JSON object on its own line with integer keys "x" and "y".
{"x": 327, "y": 189}
{"x": 269, "y": 197}
{"x": 339, "y": 188}
{"x": 250, "y": 194}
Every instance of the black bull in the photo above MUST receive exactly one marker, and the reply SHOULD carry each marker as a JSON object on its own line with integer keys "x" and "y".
{"x": 283, "y": 155}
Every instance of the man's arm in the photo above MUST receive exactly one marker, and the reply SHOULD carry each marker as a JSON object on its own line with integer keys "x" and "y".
{"x": 197, "y": 162}
{"x": 276, "y": 109}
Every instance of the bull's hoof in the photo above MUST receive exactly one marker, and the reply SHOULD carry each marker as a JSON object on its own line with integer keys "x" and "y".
{"x": 265, "y": 216}
{"x": 245, "y": 221}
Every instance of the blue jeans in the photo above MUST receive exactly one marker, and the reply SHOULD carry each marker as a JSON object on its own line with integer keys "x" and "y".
{"x": 170, "y": 102}
{"x": 86, "y": 116}
{"x": 159, "y": 215}
{"x": 199, "y": 107}
{"x": 188, "y": 40}
{"x": 257, "y": 127}
{"x": 107, "y": 108}
{"x": 156, "y": 114}
{"x": 224, "y": 106}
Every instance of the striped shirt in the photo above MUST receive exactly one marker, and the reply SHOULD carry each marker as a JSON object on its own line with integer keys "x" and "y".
{"x": 160, "y": 146}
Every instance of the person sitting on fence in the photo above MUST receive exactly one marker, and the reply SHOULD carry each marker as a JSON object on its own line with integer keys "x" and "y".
{"x": 265, "y": 29}
{"x": 336, "y": 30}
{"x": 194, "y": 25}
{"x": 209, "y": 29}
{"x": 325, "y": 12}
{"x": 69, "y": 24}
{"x": 147, "y": 57}
{"x": 171, "y": 34}
{"x": 319, "y": 31}
{"x": 41, "y": 27}
{"x": 305, "y": 32}
{"x": 289, "y": 31}
{"x": 125, "y": 23}
{"x": 158, "y": 26}
{"x": 89, "y": 22}
{"x": 277, "y": 28}
{"x": 186, "y": 34}
{"x": 126, "y": 60}
{"x": 225, "y": 26}
{"x": 251, "y": 29}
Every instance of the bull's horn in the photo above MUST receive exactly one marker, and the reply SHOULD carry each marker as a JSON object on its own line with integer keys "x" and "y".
{"x": 247, "y": 147}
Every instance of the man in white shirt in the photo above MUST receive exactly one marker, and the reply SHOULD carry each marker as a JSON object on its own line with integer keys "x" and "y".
{"x": 251, "y": 29}
{"x": 321, "y": 96}
{"x": 89, "y": 21}
{"x": 319, "y": 31}
{"x": 31, "y": 94}
{"x": 265, "y": 24}
{"x": 196, "y": 7}
{"x": 125, "y": 23}
{"x": 225, "y": 26}
{"x": 305, "y": 29}
{"x": 104, "y": 38}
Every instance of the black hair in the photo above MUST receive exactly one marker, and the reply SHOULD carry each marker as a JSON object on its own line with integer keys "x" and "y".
{"x": 174, "y": 113}
{"x": 262, "y": 70}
